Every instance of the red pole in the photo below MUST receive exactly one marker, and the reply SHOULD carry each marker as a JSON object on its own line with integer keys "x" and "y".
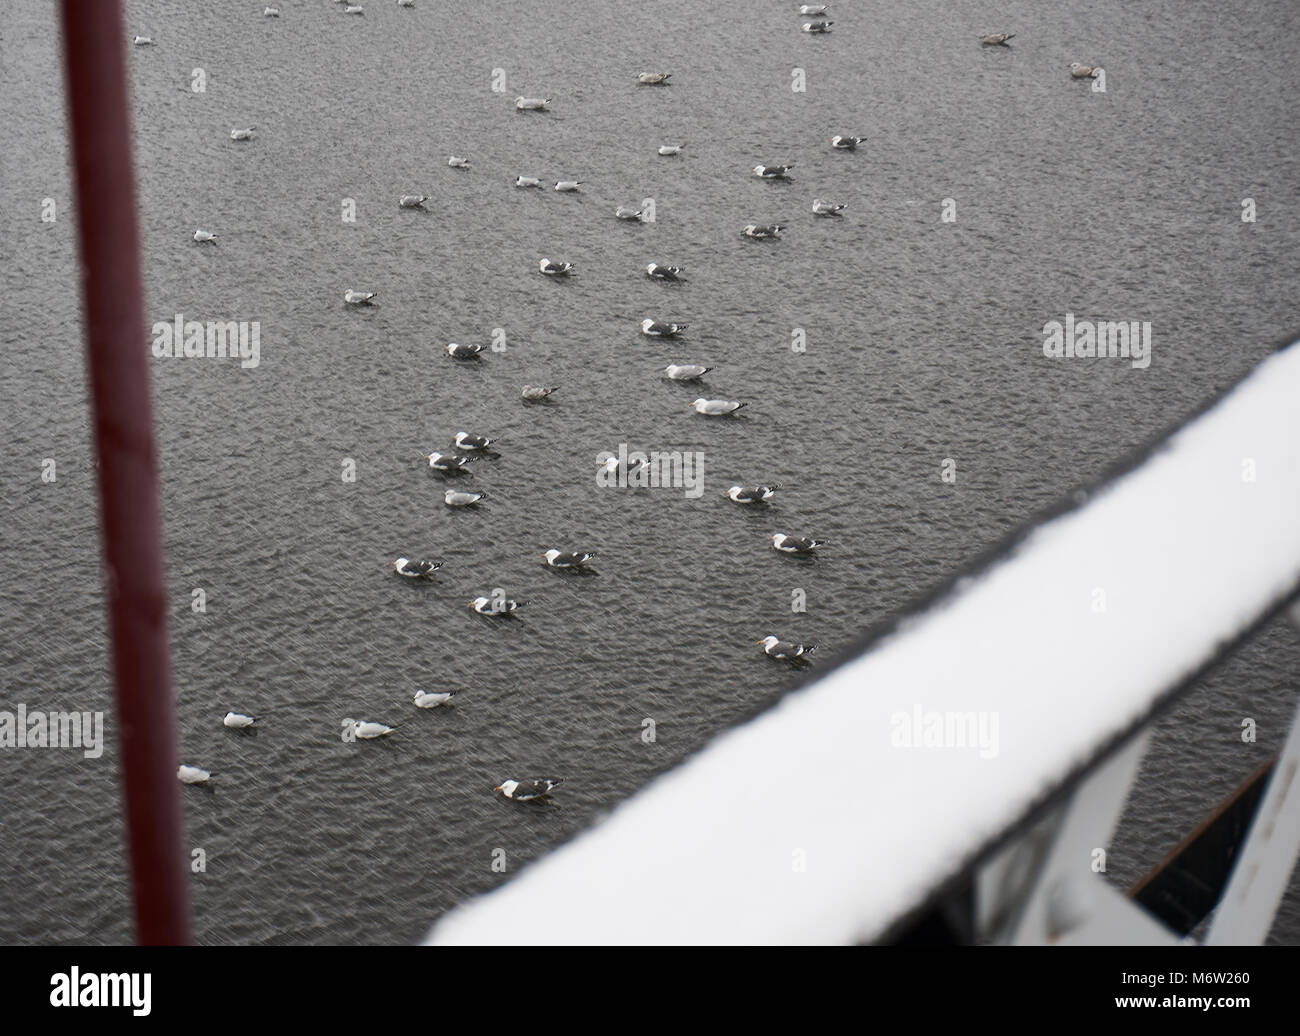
{"x": 94, "y": 46}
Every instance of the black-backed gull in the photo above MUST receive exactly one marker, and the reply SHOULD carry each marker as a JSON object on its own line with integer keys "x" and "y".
{"x": 463, "y": 350}
{"x": 411, "y": 569}
{"x": 661, "y": 328}
{"x": 412, "y": 201}
{"x": 752, "y": 495}
{"x": 567, "y": 558}
{"x": 554, "y": 269}
{"x": 664, "y": 273}
{"x": 786, "y": 650}
{"x": 530, "y": 789}
{"x": 794, "y": 544}
{"x": 772, "y": 172}
{"x": 847, "y": 143}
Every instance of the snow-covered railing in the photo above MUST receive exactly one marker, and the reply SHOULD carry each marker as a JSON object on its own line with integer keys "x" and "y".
{"x": 848, "y": 805}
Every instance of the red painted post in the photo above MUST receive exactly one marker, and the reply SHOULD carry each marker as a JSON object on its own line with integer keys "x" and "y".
{"x": 117, "y": 352}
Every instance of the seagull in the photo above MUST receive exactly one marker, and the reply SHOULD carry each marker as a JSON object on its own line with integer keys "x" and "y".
{"x": 353, "y": 9}
{"x": 457, "y": 163}
{"x": 238, "y": 721}
{"x": 409, "y": 569}
{"x": 568, "y": 559}
{"x": 447, "y": 463}
{"x": 628, "y": 213}
{"x": 463, "y": 350}
{"x": 497, "y": 606}
{"x": 794, "y": 544}
{"x": 368, "y": 731}
{"x": 358, "y": 298}
{"x": 412, "y": 201}
{"x": 786, "y": 650}
{"x": 661, "y": 329}
{"x": 816, "y": 26}
{"x": 807, "y": 9}
{"x": 531, "y": 104}
{"x": 432, "y": 699}
{"x": 270, "y": 12}
{"x": 664, "y": 273}
{"x": 527, "y": 181}
{"x": 465, "y": 441}
{"x": 405, "y": 3}
{"x": 611, "y": 466}
{"x": 772, "y": 172}
{"x": 996, "y": 38}
{"x": 533, "y": 789}
{"x": 204, "y": 235}
{"x": 536, "y": 393}
{"x": 716, "y": 407}
{"x": 567, "y": 185}
{"x": 685, "y": 371}
{"x": 847, "y": 143}
{"x": 671, "y": 149}
{"x": 553, "y": 269}
{"x": 1078, "y": 71}
{"x": 461, "y": 498}
{"x": 756, "y": 495}
{"x": 826, "y": 208}
{"x": 653, "y": 78}
{"x": 142, "y": 41}
{"x": 242, "y": 134}
{"x": 768, "y": 231}
{"x": 192, "y": 775}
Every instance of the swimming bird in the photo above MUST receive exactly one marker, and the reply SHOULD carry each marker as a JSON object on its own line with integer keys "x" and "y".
{"x": 498, "y": 606}
{"x": 756, "y": 495}
{"x": 772, "y": 172}
{"x": 661, "y": 329}
{"x": 554, "y": 269}
{"x": 716, "y": 407}
{"x": 567, "y": 185}
{"x": 204, "y": 235}
{"x": 531, "y": 104}
{"x": 664, "y": 273}
{"x": 463, "y": 350}
{"x": 527, "y": 181}
{"x": 457, "y": 163}
{"x": 685, "y": 371}
{"x": 363, "y": 729}
{"x": 653, "y": 78}
{"x": 412, "y": 201}
{"x": 807, "y": 9}
{"x": 995, "y": 39}
{"x": 626, "y": 212}
{"x": 432, "y": 699}
{"x": 536, "y": 393}
{"x": 466, "y": 441}
{"x": 568, "y": 558}
{"x": 1078, "y": 71}
{"x": 771, "y": 230}
{"x": 242, "y": 134}
{"x": 461, "y": 498}
{"x": 447, "y": 463}
{"x": 270, "y": 12}
{"x": 358, "y": 298}
{"x": 530, "y": 790}
{"x": 405, "y": 3}
{"x": 613, "y": 466}
{"x": 353, "y": 9}
{"x": 237, "y": 721}
{"x": 826, "y": 208}
{"x": 794, "y": 544}
{"x": 847, "y": 143}
{"x": 142, "y": 41}
{"x": 192, "y": 775}
{"x": 786, "y": 650}
{"x": 816, "y": 26}
{"x": 410, "y": 569}
{"x": 671, "y": 149}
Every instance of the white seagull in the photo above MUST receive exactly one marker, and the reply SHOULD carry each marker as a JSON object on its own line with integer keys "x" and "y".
{"x": 612, "y": 466}
{"x": 847, "y": 143}
{"x": 716, "y": 407}
{"x": 237, "y": 721}
{"x": 816, "y": 26}
{"x": 531, "y": 104}
{"x": 527, "y": 181}
{"x": 432, "y": 699}
{"x": 192, "y": 775}
{"x": 270, "y": 12}
{"x": 536, "y": 393}
{"x": 242, "y": 134}
{"x": 142, "y": 41}
{"x": 567, "y": 185}
{"x": 363, "y": 729}
{"x": 653, "y": 78}
{"x": 457, "y": 163}
{"x": 794, "y": 544}
{"x": 826, "y": 208}
{"x": 358, "y": 298}
{"x": 660, "y": 328}
{"x": 627, "y": 212}
{"x": 812, "y": 9}
{"x": 685, "y": 371}
{"x": 497, "y": 606}
{"x": 202, "y": 236}
{"x": 461, "y": 498}
{"x": 671, "y": 149}
{"x": 412, "y": 201}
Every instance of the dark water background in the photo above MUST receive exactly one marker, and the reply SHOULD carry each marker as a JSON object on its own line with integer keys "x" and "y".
{"x": 923, "y": 343}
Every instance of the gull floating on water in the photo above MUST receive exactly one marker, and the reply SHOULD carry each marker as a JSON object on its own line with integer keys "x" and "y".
{"x": 405, "y": 3}
{"x": 535, "y": 393}
{"x": 755, "y": 495}
{"x": 685, "y": 371}
{"x": 816, "y": 26}
{"x": 554, "y": 269}
{"x": 457, "y": 163}
{"x": 671, "y": 149}
{"x": 527, "y": 181}
{"x": 270, "y": 12}
{"x": 826, "y": 208}
{"x": 463, "y": 350}
{"x": 412, "y": 201}
{"x": 772, "y": 172}
{"x": 432, "y": 699}
{"x": 192, "y": 775}
{"x": 242, "y": 134}
{"x": 847, "y": 143}
{"x": 358, "y": 298}
{"x": 653, "y": 78}
{"x": 612, "y": 466}
{"x": 363, "y": 729}
{"x": 447, "y": 463}
{"x": 716, "y": 407}
{"x": 497, "y": 606}
{"x": 1078, "y": 71}
{"x": 532, "y": 789}
{"x": 786, "y": 650}
{"x": 202, "y": 236}
{"x": 768, "y": 231}
{"x": 466, "y": 441}
{"x": 567, "y": 185}
{"x": 664, "y": 273}
{"x": 461, "y": 498}
{"x": 353, "y": 9}
{"x": 807, "y": 9}
{"x": 569, "y": 559}
{"x": 995, "y": 39}
{"x": 627, "y": 212}
{"x": 794, "y": 544}
{"x": 531, "y": 104}
{"x": 409, "y": 569}
{"x": 661, "y": 329}
{"x": 237, "y": 721}
{"x": 142, "y": 41}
